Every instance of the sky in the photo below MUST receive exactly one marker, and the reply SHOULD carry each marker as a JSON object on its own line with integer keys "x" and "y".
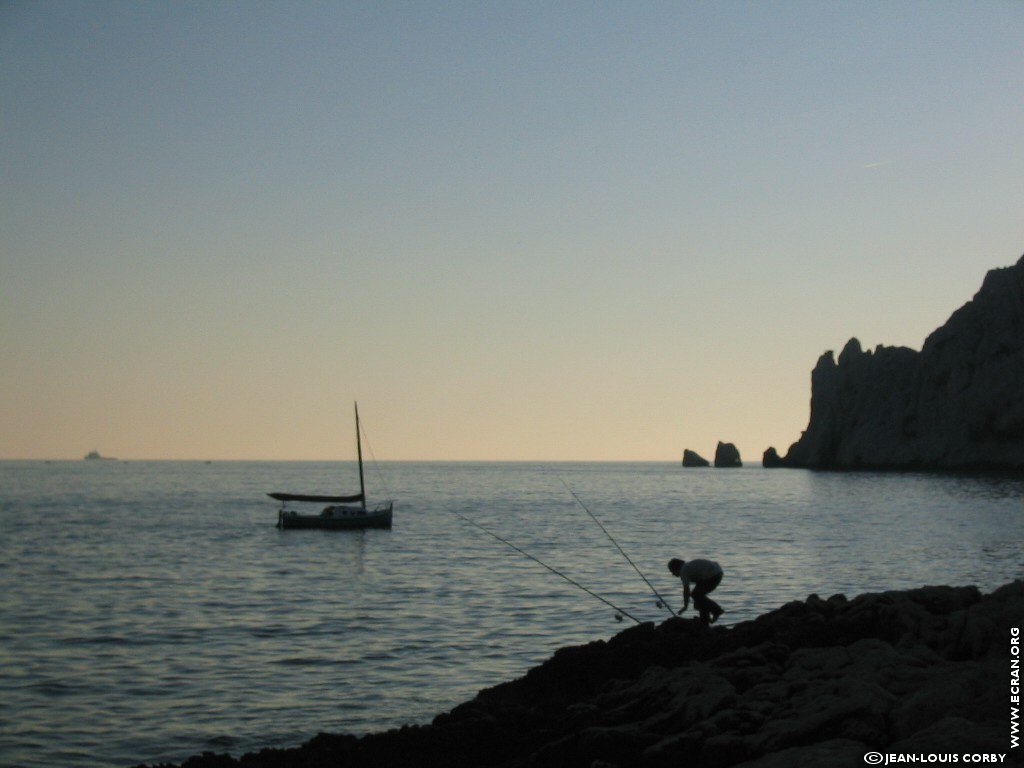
{"x": 510, "y": 230}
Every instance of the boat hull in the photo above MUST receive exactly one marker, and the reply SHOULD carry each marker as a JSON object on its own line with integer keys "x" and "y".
{"x": 337, "y": 518}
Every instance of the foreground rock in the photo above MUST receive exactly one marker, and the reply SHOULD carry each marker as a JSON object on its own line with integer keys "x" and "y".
{"x": 956, "y": 404}
{"x": 727, "y": 455}
{"x": 814, "y": 683}
{"x": 693, "y": 459}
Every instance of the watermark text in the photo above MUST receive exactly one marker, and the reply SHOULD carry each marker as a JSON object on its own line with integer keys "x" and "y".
{"x": 933, "y": 758}
{"x": 1014, "y": 687}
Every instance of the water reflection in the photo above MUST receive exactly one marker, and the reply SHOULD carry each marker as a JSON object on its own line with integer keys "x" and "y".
{"x": 989, "y": 486}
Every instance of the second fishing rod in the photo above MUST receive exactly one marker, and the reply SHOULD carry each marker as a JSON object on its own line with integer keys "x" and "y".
{"x": 619, "y": 612}
{"x": 661, "y": 602}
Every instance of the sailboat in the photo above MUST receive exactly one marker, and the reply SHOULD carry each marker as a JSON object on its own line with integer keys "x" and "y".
{"x": 341, "y": 512}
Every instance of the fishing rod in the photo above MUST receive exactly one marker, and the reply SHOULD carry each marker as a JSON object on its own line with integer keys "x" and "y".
{"x": 619, "y": 612}
{"x": 662, "y": 602}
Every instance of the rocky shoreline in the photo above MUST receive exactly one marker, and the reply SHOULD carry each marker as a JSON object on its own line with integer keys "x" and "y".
{"x": 819, "y": 682}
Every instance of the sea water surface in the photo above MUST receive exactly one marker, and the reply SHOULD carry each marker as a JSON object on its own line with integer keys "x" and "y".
{"x": 151, "y": 610}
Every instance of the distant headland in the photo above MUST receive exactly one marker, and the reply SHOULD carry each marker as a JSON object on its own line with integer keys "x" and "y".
{"x": 958, "y": 404}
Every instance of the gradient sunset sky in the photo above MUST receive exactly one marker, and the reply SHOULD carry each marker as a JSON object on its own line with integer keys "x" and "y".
{"x": 515, "y": 230}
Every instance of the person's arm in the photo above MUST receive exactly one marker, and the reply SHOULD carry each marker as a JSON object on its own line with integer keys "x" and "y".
{"x": 686, "y": 595}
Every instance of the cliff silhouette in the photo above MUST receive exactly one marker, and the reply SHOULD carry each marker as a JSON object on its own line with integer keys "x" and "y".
{"x": 957, "y": 404}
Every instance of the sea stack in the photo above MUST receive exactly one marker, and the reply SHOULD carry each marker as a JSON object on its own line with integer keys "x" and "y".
{"x": 693, "y": 459}
{"x": 957, "y": 404}
{"x": 727, "y": 455}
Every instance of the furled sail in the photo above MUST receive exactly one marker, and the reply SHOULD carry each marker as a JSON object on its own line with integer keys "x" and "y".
{"x": 324, "y": 499}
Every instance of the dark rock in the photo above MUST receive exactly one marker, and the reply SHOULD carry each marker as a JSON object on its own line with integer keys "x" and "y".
{"x": 727, "y": 455}
{"x": 957, "y": 734}
{"x": 825, "y": 753}
{"x": 956, "y": 404}
{"x": 771, "y": 459}
{"x": 692, "y": 459}
{"x": 818, "y": 682}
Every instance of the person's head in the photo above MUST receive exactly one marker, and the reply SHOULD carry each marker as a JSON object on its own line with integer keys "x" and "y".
{"x": 674, "y": 565}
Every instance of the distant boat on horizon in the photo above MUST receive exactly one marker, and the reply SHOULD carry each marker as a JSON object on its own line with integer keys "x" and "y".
{"x": 95, "y": 456}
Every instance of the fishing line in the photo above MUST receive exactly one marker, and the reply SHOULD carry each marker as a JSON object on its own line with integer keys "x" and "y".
{"x": 662, "y": 602}
{"x": 619, "y": 612}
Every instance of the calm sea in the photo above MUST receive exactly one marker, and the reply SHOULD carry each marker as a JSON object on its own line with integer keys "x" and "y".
{"x": 151, "y": 610}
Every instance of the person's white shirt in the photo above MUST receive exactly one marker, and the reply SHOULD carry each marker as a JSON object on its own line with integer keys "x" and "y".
{"x": 693, "y": 571}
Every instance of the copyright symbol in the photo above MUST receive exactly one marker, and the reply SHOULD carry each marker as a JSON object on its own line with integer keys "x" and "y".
{"x": 873, "y": 758}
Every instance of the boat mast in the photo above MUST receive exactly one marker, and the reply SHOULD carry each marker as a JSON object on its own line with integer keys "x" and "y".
{"x": 359, "y": 453}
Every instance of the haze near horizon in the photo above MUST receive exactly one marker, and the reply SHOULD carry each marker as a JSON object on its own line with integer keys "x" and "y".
{"x": 511, "y": 231}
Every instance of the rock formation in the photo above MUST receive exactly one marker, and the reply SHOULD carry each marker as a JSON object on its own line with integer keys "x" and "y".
{"x": 956, "y": 404}
{"x": 771, "y": 459}
{"x": 693, "y": 459}
{"x": 727, "y": 455}
{"x": 815, "y": 683}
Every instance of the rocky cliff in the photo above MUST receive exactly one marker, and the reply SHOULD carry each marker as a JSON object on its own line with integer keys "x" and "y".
{"x": 814, "y": 683}
{"x": 956, "y": 404}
